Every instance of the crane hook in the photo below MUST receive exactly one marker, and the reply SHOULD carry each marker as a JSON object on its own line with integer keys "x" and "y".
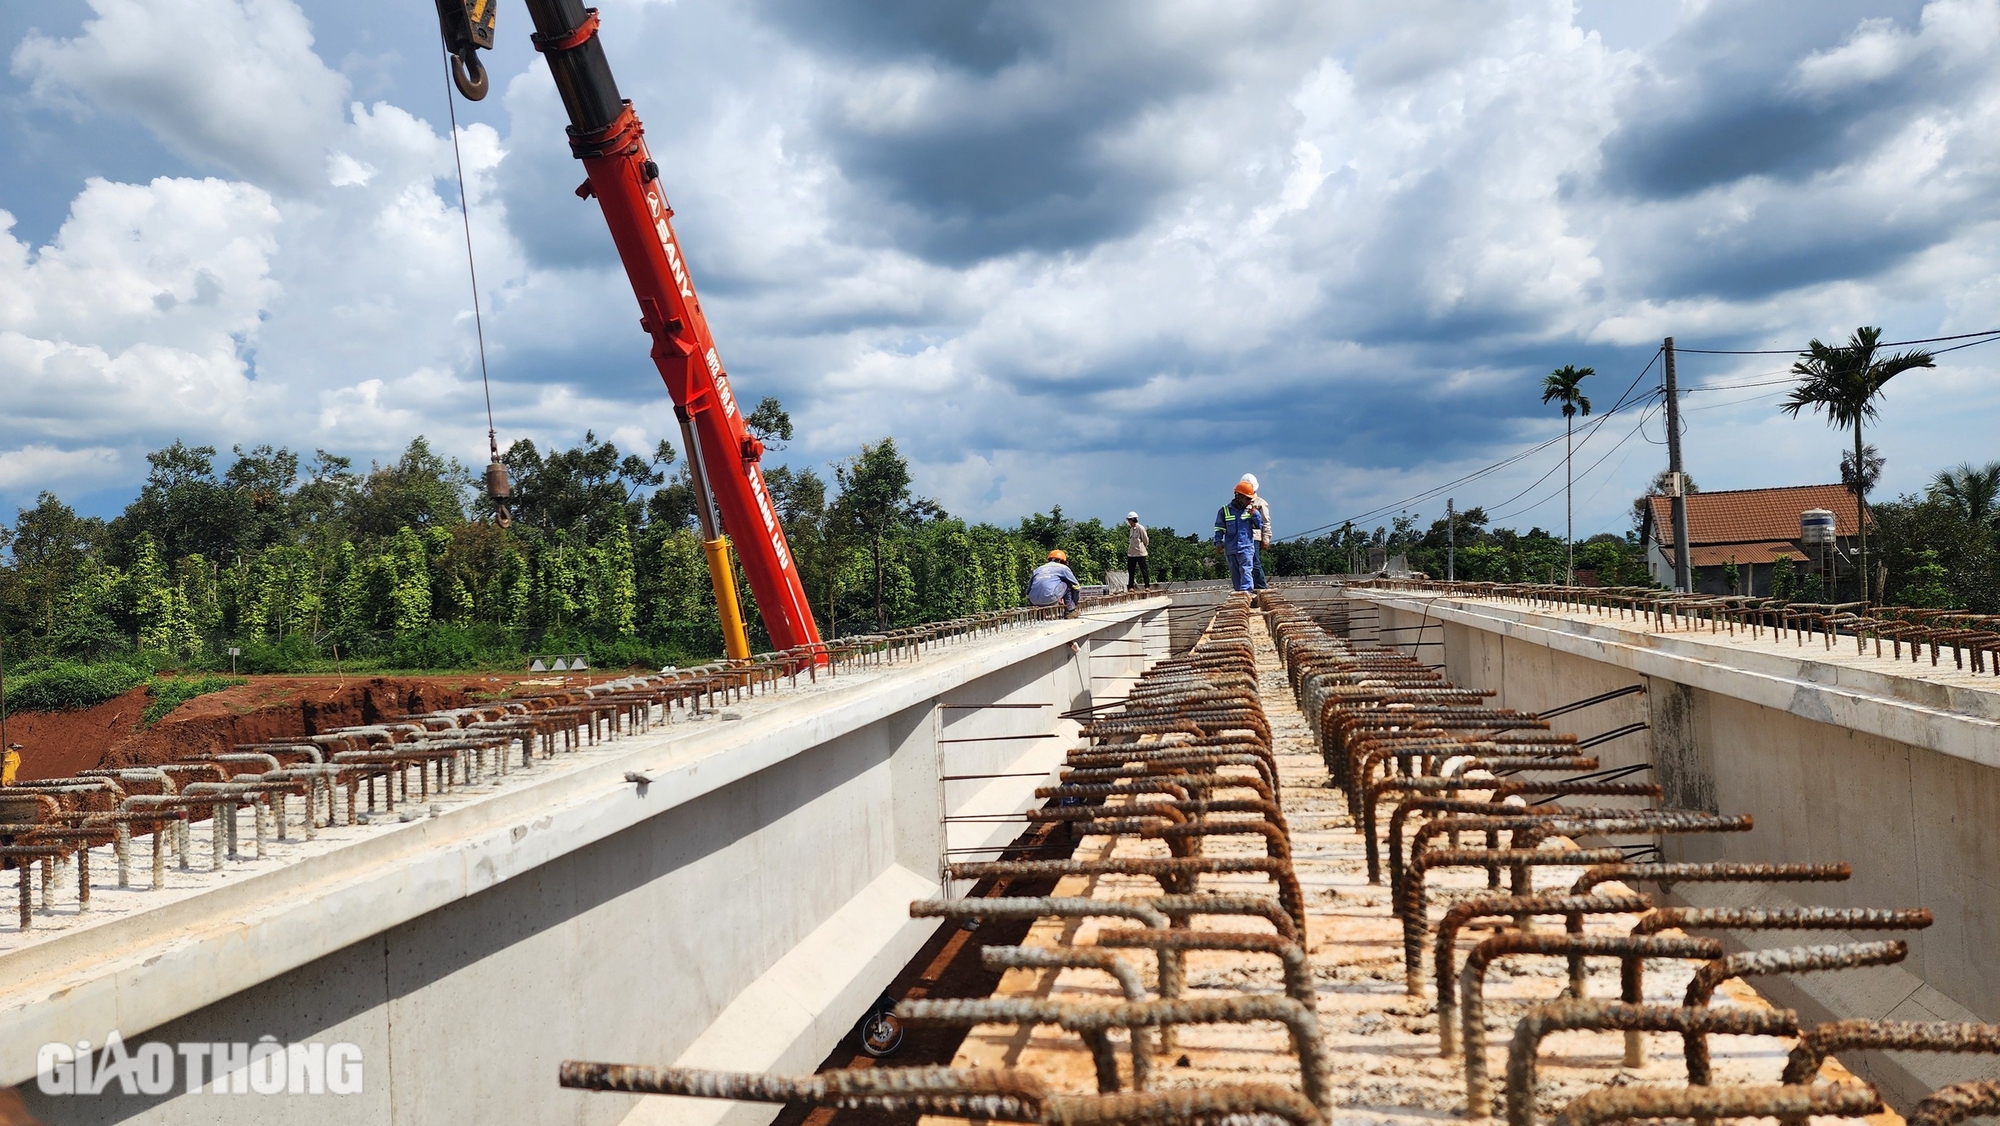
{"x": 469, "y": 75}
{"x": 467, "y": 27}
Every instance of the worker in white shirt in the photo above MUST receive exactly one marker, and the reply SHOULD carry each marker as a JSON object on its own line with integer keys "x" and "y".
{"x": 1137, "y": 572}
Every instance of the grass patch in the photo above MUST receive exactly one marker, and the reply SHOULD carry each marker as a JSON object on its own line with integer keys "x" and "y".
{"x": 67, "y": 685}
{"x": 172, "y": 693}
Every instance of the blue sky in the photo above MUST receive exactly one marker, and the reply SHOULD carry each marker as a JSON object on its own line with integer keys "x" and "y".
{"x": 1106, "y": 255}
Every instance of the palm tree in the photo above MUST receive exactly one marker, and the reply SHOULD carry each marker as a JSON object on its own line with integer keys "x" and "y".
{"x": 1844, "y": 381}
{"x": 1565, "y": 386}
{"x": 1973, "y": 490}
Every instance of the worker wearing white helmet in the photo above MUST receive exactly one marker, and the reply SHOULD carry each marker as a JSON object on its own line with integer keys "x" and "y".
{"x": 1263, "y": 508}
{"x": 1136, "y": 567}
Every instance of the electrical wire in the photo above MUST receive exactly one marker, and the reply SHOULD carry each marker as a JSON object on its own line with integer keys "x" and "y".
{"x": 1733, "y": 402}
{"x": 1972, "y": 339}
{"x": 1993, "y": 332}
{"x": 1586, "y": 472}
{"x": 472, "y": 270}
{"x": 1439, "y": 490}
{"x": 1624, "y": 399}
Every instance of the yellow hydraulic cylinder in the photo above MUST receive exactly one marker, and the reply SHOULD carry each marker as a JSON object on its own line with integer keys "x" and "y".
{"x": 735, "y": 641}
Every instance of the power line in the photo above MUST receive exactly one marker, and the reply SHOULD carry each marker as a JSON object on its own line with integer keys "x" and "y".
{"x": 1624, "y": 401}
{"x": 1587, "y": 471}
{"x": 1732, "y": 402}
{"x": 1796, "y": 351}
{"x": 1788, "y": 378}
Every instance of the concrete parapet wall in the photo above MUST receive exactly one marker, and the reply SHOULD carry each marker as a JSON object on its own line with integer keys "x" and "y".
{"x": 739, "y": 909}
{"x": 1894, "y": 773}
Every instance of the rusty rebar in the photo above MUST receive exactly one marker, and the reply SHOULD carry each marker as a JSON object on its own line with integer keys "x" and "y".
{"x": 1472, "y": 979}
{"x": 1947, "y": 1106}
{"x": 1416, "y": 916}
{"x": 1175, "y": 874}
{"x": 1613, "y": 1016}
{"x": 1297, "y": 1018}
{"x": 1709, "y": 1103}
{"x": 1711, "y": 872}
{"x": 1823, "y": 1040}
{"x": 1291, "y": 956}
{"x": 1756, "y": 963}
{"x": 1078, "y": 957}
{"x": 1785, "y": 918}
{"x": 1444, "y": 947}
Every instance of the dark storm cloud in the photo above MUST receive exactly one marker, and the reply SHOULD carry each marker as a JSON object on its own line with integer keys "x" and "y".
{"x": 1008, "y": 150}
{"x": 1038, "y": 184}
{"x": 982, "y": 36}
{"x": 1718, "y": 105}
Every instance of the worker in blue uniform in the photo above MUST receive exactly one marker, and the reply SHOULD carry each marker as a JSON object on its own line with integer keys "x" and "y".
{"x": 1236, "y": 527}
{"x": 1054, "y": 582}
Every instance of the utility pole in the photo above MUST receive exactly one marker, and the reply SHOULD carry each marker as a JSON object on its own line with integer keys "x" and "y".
{"x": 1450, "y": 545}
{"x": 1683, "y": 572}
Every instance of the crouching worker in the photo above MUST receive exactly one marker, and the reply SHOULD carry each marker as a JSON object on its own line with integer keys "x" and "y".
{"x": 1053, "y": 582}
{"x": 1236, "y": 526}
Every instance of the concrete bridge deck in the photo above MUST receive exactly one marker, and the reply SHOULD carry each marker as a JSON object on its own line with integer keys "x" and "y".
{"x": 745, "y": 901}
{"x": 1891, "y": 765}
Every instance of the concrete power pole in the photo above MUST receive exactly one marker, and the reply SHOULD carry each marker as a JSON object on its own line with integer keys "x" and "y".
{"x": 1683, "y": 571}
{"x": 1450, "y": 545}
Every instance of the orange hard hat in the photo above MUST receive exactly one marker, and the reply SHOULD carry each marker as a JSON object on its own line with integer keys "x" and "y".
{"x": 1246, "y": 489}
{"x": 1058, "y": 556}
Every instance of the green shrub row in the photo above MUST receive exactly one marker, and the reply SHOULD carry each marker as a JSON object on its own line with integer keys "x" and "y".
{"x": 54, "y": 686}
{"x": 171, "y": 693}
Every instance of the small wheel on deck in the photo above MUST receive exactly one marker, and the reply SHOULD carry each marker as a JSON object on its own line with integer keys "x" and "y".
{"x": 881, "y": 1033}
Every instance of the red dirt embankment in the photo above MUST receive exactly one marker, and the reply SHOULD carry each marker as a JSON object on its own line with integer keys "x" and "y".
{"x": 268, "y": 708}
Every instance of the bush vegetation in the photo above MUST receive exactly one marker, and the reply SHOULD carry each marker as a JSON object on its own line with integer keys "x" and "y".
{"x": 171, "y": 692}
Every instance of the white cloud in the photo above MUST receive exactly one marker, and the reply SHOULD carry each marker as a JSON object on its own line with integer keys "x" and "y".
{"x": 1129, "y": 253}
{"x": 43, "y": 466}
{"x": 225, "y": 82}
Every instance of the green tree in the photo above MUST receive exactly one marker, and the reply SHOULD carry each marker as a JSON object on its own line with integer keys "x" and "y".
{"x": 1843, "y": 382}
{"x": 182, "y": 505}
{"x": 771, "y": 423}
{"x": 1564, "y": 387}
{"x": 873, "y": 503}
{"x": 1925, "y": 585}
{"x": 1913, "y": 532}
{"x": 159, "y": 609}
{"x": 419, "y": 490}
{"x": 1973, "y": 490}
{"x": 585, "y": 490}
{"x": 410, "y": 577}
{"x": 1784, "y": 578}
{"x": 50, "y": 545}
{"x": 612, "y": 598}
{"x": 261, "y": 486}
{"x": 1662, "y": 482}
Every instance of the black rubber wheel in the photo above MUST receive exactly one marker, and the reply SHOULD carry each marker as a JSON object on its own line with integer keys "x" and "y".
{"x": 881, "y": 1034}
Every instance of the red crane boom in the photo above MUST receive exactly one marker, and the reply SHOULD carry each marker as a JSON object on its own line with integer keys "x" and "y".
{"x": 723, "y": 455}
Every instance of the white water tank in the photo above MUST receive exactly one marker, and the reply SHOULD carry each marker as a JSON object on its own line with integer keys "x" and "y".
{"x": 1816, "y": 527}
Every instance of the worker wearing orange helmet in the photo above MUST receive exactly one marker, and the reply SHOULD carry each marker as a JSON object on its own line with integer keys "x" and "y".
{"x": 1237, "y": 525}
{"x": 1263, "y": 508}
{"x": 1054, "y": 582}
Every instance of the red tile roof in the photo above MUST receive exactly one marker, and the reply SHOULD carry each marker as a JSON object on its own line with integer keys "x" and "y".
{"x": 1753, "y": 516}
{"x": 1741, "y": 554}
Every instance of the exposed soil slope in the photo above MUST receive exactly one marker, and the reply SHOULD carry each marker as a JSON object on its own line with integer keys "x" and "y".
{"x": 266, "y": 709}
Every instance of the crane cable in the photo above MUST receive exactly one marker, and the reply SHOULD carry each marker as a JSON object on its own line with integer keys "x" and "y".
{"x": 478, "y": 321}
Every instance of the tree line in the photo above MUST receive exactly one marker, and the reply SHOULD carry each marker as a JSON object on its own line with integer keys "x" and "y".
{"x": 302, "y": 564}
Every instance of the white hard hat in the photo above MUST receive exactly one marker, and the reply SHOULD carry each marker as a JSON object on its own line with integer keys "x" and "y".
{"x": 1249, "y": 479}
{"x": 1131, "y": 516}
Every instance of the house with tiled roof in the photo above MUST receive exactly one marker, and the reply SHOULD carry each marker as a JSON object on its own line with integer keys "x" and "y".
{"x": 1748, "y": 527}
